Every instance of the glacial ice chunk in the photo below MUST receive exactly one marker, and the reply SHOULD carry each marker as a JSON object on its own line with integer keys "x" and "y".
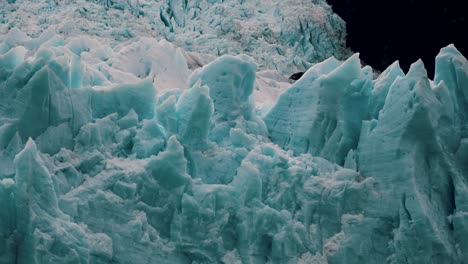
{"x": 322, "y": 112}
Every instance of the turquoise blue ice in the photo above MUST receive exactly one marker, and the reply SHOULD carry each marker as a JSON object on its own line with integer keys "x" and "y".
{"x": 138, "y": 151}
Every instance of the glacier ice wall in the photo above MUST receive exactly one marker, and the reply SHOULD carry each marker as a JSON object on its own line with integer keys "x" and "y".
{"x": 406, "y": 132}
{"x": 125, "y": 155}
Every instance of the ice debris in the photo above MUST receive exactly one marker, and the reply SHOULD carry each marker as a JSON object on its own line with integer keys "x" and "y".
{"x": 102, "y": 162}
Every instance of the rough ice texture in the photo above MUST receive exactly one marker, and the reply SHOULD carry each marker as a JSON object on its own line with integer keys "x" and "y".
{"x": 405, "y": 132}
{"x": 124, "y": 155}
{"x": 277, "y": 33}
{"x": 128, "y": 154}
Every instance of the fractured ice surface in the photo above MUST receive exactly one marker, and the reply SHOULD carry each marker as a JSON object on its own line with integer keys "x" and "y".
{"x": 126, "y": 154}
{"x": 114, "y": 174}
{"x": 406, "y": 133}
{"x": 277, "y": 33}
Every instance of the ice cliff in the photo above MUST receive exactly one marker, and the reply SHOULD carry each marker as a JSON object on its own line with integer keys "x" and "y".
{"x": 121, "y": 151}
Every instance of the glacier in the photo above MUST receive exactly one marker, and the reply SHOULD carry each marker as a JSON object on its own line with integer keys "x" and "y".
{"x": 141, "y": 148}
{"x": 279, "y": 35}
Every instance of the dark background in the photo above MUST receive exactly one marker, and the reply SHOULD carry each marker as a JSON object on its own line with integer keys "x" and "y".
{"x": 404, "y": 30}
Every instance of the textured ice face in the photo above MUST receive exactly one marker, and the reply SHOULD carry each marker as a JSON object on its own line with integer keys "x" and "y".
{"x": 116, "y": 147}
{"x": 124, "y": 155}
{"x": 407, "y": 133}
{"x": 283, "y": 35}
{"x": 97, "y": 167}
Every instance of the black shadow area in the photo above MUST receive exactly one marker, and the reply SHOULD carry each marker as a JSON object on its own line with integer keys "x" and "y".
{"x": 404, "y": 30}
